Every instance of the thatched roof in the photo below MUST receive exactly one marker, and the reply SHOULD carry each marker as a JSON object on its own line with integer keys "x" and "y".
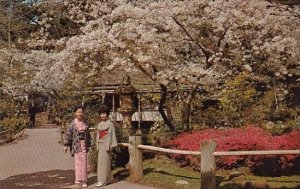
{"x": 109, "y": 81}
{"x": 116, "y": 78}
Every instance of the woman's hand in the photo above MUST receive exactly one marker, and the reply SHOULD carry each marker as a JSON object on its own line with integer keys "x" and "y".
{"x": 66, "y": 149}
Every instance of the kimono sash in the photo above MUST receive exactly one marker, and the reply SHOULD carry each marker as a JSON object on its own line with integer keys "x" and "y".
{"x": 103, "y": 133}
{"x": 106, "y": 135}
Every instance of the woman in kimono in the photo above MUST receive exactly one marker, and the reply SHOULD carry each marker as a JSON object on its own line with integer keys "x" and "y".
{"x": 105, "y": 141}
{"x": 77, "y": 138}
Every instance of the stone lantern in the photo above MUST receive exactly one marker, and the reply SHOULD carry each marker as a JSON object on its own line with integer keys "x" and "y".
{"x": 127, "y": 97}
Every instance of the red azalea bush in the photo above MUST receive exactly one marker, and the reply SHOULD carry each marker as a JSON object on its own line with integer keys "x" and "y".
{"x": 243, "y": 139}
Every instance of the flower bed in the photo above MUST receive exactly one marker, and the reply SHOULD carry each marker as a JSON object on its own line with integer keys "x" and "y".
{"x": 243, "y": 139}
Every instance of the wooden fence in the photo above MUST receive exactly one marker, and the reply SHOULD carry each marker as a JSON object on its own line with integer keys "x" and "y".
{"x": 9, "y": 135}
{"x": 6, "y": 136}
{"x": 208, "y": 162}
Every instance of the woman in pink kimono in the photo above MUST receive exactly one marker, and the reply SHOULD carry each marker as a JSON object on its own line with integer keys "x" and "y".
{"x": 78, "y": 139}
{"x": 105, "y": 141}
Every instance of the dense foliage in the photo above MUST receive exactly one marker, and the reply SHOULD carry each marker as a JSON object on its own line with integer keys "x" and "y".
{"x": 241, "y": 56}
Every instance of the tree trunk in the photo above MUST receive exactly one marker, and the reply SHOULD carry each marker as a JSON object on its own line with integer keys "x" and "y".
{"x": 185, "y": 117}
{"x": 9, "y": 39}
{"x": 163, "y": 96}
{"x": 163, "y": 99}
{"x": 9, "y": 45}
{"x": 186, "y": 109}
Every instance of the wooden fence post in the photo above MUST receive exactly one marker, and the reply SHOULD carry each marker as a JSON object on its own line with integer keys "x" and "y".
{"x": 208, "y": 165}
{"x": 61, "y": 132}
{"x": 135, "y": 165}
{"x": 11, "y": 135}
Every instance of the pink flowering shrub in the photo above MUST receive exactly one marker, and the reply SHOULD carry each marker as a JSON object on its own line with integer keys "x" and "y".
{"x": 243, "y": 139}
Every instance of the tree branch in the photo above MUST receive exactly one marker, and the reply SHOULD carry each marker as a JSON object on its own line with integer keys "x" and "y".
{"x": 221, "y": 38}
{"x": 205, "y": 52}
{"x": 137, "y": 65}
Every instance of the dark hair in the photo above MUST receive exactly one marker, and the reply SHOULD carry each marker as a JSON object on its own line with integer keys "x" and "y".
{"x": 78, "y": 107}
{"x": 103, "y": 109}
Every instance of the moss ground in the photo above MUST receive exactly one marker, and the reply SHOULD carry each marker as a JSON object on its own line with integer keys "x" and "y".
{"x": 162, "y": 173}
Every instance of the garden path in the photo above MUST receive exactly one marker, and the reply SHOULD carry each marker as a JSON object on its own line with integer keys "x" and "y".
{"x": 37, "y": 161}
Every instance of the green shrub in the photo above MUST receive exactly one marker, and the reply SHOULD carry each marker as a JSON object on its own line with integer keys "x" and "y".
{"x": 158, "y": 134}
{"x": 14, "y": 123}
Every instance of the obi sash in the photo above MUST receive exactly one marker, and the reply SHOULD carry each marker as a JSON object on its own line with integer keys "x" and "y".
{"x": 103, "y": 133}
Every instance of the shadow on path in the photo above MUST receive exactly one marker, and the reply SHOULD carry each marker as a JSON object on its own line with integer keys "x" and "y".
{"x": 53, "y": 179}
{"x": 150, "y": 170}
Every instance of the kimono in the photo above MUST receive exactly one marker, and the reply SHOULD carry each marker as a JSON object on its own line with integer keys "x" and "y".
{"x": 78, "y": 138}
{"x": 105, "y": 141}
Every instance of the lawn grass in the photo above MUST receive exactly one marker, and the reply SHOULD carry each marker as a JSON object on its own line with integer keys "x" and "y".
{"x": 283, "y": 182}
{"x": 162, "y": 173}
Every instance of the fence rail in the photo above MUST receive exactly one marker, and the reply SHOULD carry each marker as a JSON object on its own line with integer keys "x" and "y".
{"x": 220, "y": 153}
{"x": 4, "y": 136}
{"x": 257, "y": 153}
{"x": 4, "y": 132}
{"x": 207, "y": 153}
{"x": 12, "y": 134}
